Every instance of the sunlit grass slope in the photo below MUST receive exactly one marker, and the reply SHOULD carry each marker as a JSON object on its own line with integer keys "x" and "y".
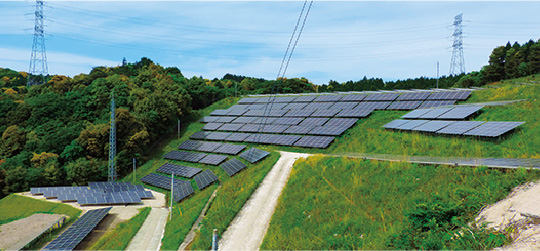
{"x": 119, "y": 238}
{"x": 340, "y": 203}
{"x": 15, "y": 207}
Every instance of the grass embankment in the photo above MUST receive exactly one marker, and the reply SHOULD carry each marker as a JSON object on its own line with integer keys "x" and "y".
{"x": 339, "y": 203}
{"x": 119, "y": 237}
{"x": 15, "y": 207}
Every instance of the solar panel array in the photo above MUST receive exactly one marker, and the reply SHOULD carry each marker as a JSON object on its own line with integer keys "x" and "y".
{"x": 178, "y": 170}
{"x": 470, "y": 128}
{"x": 182, "y": 191}
{"x": 233, "y": 166}
{"x": 97, "y": 193}
{"x": 74, "y": 235}
{"x": 205, "y": 178}
{"x": 453, "y": 112}
{"x": 161, "y": 181}
{"x": 185, "y": 156}
{"x": 254, "y": 155}
{"x": 213, "y": 147}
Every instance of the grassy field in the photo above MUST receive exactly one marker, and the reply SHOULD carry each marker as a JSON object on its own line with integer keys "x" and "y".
{"x": 15, "y": 207}
{"x": 230, "y": 199}
{"x": 183, "y": 216}
{"x": 119, "y": 237}
{"x": 339, "y": 203}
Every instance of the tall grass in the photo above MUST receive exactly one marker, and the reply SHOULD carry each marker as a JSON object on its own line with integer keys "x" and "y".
{"x": 14, "y": 207}
{"x": 339, "y": 203}
{"x": 184, "y": 216}
{"x": 119, "y": 237}
{"x": 230, "y": 200}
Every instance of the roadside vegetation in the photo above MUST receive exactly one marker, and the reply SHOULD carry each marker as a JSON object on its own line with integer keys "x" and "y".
{"x": 340, "y": 203}
{"x": 119, "y": 237}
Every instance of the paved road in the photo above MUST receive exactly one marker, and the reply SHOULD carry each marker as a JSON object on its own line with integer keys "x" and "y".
{"x": 151, "y": 232}
{"x": 249, "y": 227}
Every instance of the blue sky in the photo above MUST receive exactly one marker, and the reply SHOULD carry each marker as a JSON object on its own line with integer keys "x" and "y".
{"x": 341, "y": 40}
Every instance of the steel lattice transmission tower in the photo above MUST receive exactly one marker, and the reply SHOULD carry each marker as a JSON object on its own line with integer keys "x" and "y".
{"x": 38, "y": 61}
{"x": 457, "y": 64}
{"x": 112, "y": 143}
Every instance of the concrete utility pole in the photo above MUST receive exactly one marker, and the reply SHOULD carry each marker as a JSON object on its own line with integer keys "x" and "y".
{"x": 437, "y": 74}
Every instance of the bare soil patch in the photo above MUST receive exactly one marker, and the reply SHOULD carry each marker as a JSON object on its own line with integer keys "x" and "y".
{"x": 16, "y": 234}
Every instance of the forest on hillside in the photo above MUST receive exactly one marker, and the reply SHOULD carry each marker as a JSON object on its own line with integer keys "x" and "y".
{"x": 58, "y": 133}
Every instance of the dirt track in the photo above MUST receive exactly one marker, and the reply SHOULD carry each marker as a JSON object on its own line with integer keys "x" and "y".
{"x": 248, "y": 229}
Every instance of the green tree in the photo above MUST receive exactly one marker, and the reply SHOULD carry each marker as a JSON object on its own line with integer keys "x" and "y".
{"x": 13, "y": 140}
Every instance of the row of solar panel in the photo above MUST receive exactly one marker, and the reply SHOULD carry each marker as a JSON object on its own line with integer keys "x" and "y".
{"x": 422, "y": 95}
{"x": 329, "y": 129}
{"x": 213, "y": 147}
{"x": 203, "y": 158}
{"x": 181, "y": 188}
{"x": 73, "y": 236}
{"x": 94, "y": 196}
{"x": 274, "y": 139}
{"x": 456, "y": 112}
{"x": 261, "y": 115}
{"x": 318, "y": 109}
{"x": 470, "y": 128}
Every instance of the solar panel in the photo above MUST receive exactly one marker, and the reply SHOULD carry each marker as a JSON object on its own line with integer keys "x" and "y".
{"x": 161, "y": 181}
{"x": 433, "y": 126}
{"x": 181, "y": 192}
{"x": 295, "y": 106}
{"x": 287, "y": 121}
{"x": 230, "y": 149}
{"x": 412, "y": 124}
{"x": 184, "y": 156}
{"x": 404, "y": 105}
{"x": 212, "y": 126}
{"x": 353, "y": 97}
{"x": 452, "y": 95}
{"x": 327, "y": 98}
{"x": 460, "y": 127}
{"x": 382, "y": 97}
{"x": 254, "y": 155}
{"x": 256, "y": 113}
{"x": 314, "y": 141}
{"x": 414, "y": 96}
{"x": 395, "y": 123}
{"x": 201, "y": 146}
{"x": 341, "y": 122}
{"x": 328, "y": 130}
{"x": 73, "y": 236}
{"x": 260, "y": 138}
{"x": 437, "y": 103}
{"x": 415, "y": 114}
{"x": 265, "y": 99}
{"x": 435, "y": 112}
{"x": 460, "y": 112}
{"x": 319, "y": 105}
{"x": 314, "y": 121}
{"x": 374, "y": 105}
{"x": 354, "y": 113}
{"x": 178, "y": 170}
{"x": 230, "y": 127}
{"x": 274, "y": 128}
{"x": 218, "y": 136}
{"x": 236, "y": 112}
{"x": 248, "y": 100}
{"x": 244, "y": 120}
{"x": 299, "y": 129}
{"x": 284, "y": 140}
{"x": 256, "y": 107}
{"x": 213, "y": 159}
{"x": 493, "y": 129}
{"x": 237, "y": 137}
{"x": 344, "y": 105}
{"x": 325, "y": 113}
{"x": 276, "y": 106}
{"x": 239, "y": 107}
{"x": 308, "y": 98}
{"x": 205, "y": 178}
{"x": 299, "y": 113}
{"x": 250, "y": 128}
{"x": 225, "y": 119}
{"x": 219, "y": 112}
{"x": 264, "y": 120}
{"x": 199, "y": 135}
{"x": 208, "y": 119}
{"x": 285, "y": 99}
{"x": 233, "y": 166}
